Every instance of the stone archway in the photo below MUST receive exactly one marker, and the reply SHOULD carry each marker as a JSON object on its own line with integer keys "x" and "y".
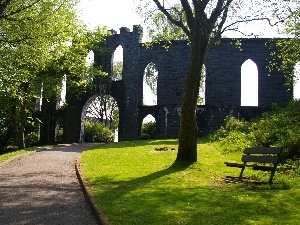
{"x": 101, "y": 109}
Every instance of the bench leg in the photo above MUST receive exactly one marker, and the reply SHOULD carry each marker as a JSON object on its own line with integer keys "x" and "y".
{"x": 241, "y": 173}
{"x": 271, "y": 176}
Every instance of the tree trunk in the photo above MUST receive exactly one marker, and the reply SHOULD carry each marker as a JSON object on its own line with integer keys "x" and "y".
{"x": 21, "y": 129}
{"x": 187, "y": 149}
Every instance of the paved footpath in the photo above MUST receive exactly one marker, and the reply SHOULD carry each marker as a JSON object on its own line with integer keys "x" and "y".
{"x": 42, "y": 188}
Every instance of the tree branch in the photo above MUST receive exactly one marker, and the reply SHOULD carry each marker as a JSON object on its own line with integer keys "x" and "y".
{"x": 189, "y": 14}
{"x": 253, "y": 19}
{"x": 225, "y": 10}
{"x": 169, "y": 17}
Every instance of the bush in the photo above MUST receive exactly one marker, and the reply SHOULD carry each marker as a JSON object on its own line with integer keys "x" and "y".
{"x": 232, "y": 137}
{"x": 60, "y": 135}
{"x": 98, "y": 133}
{"x": 31, "y": 139}
{"x": 145, "y": 136}
{"x": 149, "y": 130}
{"x": 278, "y": 127}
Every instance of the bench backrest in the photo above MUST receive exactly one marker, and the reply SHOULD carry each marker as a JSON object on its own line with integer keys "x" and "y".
{"x": 262, "y": 154}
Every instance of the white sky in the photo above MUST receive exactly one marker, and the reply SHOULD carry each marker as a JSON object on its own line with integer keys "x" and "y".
{"x": 111, "y": 13}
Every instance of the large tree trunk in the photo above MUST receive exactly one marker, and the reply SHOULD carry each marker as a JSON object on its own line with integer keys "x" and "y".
{"x": 187, "y": 149}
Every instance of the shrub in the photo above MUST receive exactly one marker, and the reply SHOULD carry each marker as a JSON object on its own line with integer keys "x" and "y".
{"x": 145, "y": 136}
{"x": 98, "y": 133}
{"x": 278, "y": 127}
{"x": 59, "y": 136}
{"x": 232, "y": 137}
{"x": 31, "y": 139}
{"x": 149, "y": 130}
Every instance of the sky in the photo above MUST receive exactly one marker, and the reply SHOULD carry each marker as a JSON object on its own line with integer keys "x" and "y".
{"x": 111, "y": 13}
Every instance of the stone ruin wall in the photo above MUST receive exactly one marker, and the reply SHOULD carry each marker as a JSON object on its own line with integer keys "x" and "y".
{"x": 222, "y": 85}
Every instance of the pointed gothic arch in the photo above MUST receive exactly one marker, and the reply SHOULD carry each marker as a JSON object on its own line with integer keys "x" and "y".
{"x": 117, "y": 64}
{"x": 249, "y": 83}
{"x": 150, "y": 78}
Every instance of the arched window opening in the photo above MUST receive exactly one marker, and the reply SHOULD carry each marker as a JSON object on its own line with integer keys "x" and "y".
{"x": 117, "y": 64}
{"x": 201, "y": 95}
{"x": 59, "y": 130}
{"x": 150, "y": 85}
{"x": 296, "y": 88}
{"x": 63, "y": 91}
{"x": 249, "y": 84}
{"x": 99, "y": 119}
{"x": 148, "y": 127}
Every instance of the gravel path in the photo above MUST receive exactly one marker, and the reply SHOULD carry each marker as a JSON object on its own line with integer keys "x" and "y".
{"x": 42, "y": 188}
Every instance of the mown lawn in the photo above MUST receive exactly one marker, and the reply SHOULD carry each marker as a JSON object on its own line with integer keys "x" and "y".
{"x": 134, "y": 184}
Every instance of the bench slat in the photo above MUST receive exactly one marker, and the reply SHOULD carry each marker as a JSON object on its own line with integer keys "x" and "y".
{"x": 263, "y": 168}
{"x": 231, "y": 164}
{"x": 263, "y": 150}
{"x": 260, "y": 159}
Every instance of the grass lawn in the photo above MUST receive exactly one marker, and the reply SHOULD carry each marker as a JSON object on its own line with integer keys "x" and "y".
{"x": 134, "y": 184}
{"x": 9, "y": 155}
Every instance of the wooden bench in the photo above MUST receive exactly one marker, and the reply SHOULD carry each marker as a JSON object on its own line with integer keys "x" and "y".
{"x": 259, "y": 158}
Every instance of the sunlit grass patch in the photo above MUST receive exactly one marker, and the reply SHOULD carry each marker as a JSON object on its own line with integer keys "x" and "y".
{"x": 135, "y": 184}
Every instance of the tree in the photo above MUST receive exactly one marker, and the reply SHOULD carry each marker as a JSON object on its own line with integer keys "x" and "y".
{"x": 41, "y": 41}
{"x": 105, "y": 108}
{"x": 7, "y": 11}
{"x": 204, "y": 22}
{"x": 289, "y": 49}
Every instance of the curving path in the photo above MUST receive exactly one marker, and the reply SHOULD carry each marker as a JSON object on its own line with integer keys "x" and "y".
{"x": 42, "y": 188}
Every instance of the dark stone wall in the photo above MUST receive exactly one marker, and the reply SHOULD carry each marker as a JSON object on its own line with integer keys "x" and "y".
{"x": 223, "y": 83}
{"x": 223, "y": 74}
{"x": 222, "y": 90}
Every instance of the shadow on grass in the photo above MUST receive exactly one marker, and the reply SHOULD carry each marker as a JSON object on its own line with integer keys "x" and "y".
{"x": 136, "y": 143}
{"x": 139, "y": 201}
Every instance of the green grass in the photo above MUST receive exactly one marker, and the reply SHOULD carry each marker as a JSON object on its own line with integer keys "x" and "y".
{"x": 134, "y": 184}
{"x": 9, "y": 155}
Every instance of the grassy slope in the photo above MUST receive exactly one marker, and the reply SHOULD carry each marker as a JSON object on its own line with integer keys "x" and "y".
{"x": 133, "y": 184}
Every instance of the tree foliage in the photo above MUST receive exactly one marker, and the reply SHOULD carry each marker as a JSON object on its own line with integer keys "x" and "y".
{"x": 288, "y": 49}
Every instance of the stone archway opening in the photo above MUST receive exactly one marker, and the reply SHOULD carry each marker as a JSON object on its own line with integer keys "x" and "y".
{"x": 117, "y": 64}
{"x": 148, "y": 127}
{"x": 249, "y": 83}
{"x": 100, "y": 115}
